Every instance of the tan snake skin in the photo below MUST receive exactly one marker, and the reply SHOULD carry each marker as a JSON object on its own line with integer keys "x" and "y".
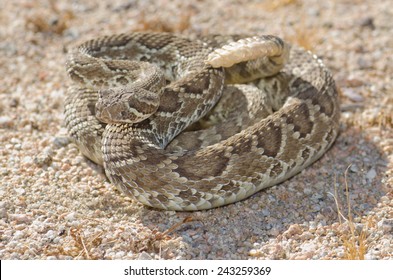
{"x": 140, "y": 119}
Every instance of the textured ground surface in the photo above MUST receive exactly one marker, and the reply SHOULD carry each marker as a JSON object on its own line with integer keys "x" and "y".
{"x": 55, "y": 204}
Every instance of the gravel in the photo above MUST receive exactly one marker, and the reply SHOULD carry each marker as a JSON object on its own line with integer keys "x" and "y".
{"x": 55, "y": 204}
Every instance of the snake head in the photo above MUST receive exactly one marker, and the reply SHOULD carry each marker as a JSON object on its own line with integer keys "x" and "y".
{"x": 126, "y": 105}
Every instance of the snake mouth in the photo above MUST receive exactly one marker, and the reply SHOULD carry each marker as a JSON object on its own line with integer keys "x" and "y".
{"x": 126, "y": 104}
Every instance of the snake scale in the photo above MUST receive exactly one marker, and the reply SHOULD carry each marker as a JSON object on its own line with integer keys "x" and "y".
{"x": 189, "y": 124}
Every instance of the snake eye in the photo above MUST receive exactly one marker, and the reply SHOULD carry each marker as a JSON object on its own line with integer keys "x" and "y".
{"x": 124, "y": 114}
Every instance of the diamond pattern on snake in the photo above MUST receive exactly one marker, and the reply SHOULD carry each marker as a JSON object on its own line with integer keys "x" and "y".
{"x": 190, "y": 124}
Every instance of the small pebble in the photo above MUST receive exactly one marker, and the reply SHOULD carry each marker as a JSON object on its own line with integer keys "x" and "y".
{"x": 386, "y": 225}
{"x": 20, "y": 218}
{"x": 3, "y": 210}
{"x": 308, "y": 247}
{"x": 61, "y": 141}
{"x": 144, "y": 256}
{"x": 254, "y": 253}
{"x": 20, "y": 191}
{"x": 50, "y": 234}
{"x": 6, "y": 122}
{"x": 367, "y": 22}
{"x": 364, "y": 63}
{"x": 352, "y": 94}
{"x": 18, "y": 234}
{"x": 371, "y": 174}
{"x": 292, "y": 231}
{"x": 44, "y": 158}
{"x": 340, "y": 253}
{"x": 369, "y": 256}
{"x": 70, "y": 217}
{"x": 354, "y": 168}
{"x": 306, "y": 236}
{"x": 120, "y": 254}
{"x": 265, "y": 212}
{"x": 307, "y": 191}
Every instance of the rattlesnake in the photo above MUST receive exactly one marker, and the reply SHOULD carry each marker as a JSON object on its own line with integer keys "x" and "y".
{"x": 129, "y": 116}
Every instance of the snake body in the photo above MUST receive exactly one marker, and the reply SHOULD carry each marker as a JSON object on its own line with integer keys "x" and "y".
{"x": 182, "y": 124}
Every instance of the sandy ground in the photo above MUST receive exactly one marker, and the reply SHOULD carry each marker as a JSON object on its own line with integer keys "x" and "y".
{"x": 55, "y": 204}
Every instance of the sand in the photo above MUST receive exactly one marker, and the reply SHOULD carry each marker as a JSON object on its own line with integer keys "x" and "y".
{"x": 55, "y": 204}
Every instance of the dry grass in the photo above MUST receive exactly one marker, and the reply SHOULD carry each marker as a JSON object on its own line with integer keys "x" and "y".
{"x": 91, "y": 247}
{"x": 157, "y": 24}
{"x": 305, "y": 36}
{"x": 301, "y": 34}
{"x": 385, "y": 117}
{"x": 51, "y": 20}
{"x": 380, "y": 117}
{"x": 156, "y": 240}
{"x": 84, "y": 246}
{"x": 80, "y": 246}
{"x": 272, "y": 5}
{"x": 353, "y": 240}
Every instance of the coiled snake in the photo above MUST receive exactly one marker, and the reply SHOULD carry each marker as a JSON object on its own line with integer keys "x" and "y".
{"x": 182, "y": 124}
